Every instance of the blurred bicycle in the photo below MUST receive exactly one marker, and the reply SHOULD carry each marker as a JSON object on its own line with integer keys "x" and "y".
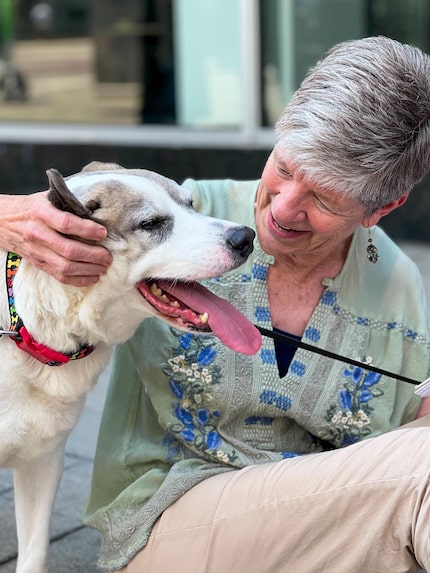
{"x": 12, "y": 82}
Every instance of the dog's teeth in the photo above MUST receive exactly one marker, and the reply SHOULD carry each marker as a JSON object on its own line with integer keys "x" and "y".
{"x": 163, "y": 297}
{"x": 204, "y": 317}
{"x": 155, "y": 290}
{"x": 175, "y": 303}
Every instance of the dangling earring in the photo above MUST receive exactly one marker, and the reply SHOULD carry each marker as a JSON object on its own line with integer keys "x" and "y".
{"x": 372, "y": 251}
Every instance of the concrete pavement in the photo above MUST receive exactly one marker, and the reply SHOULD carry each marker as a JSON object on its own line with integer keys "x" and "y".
{"x": 74, "y": 548}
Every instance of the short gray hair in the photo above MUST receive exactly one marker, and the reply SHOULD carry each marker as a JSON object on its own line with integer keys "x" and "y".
{"x": 360, "y": 121}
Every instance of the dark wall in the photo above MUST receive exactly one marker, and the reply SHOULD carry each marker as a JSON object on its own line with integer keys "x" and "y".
{"x": 23, "y": 166}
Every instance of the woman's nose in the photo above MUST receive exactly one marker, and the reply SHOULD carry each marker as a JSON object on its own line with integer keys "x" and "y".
{"x": 291, "y": 197}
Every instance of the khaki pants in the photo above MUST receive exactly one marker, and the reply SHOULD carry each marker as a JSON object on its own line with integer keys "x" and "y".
{"x": 361, "y": 509}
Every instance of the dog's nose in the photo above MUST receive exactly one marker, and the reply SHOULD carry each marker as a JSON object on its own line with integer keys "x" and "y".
{"x": 240, "y": 241}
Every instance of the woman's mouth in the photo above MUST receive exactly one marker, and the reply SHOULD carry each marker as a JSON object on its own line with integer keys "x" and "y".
{"x": 283, "y": 228}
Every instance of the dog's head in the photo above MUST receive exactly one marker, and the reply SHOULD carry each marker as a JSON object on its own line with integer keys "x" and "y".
{"x": 161, "y": 246}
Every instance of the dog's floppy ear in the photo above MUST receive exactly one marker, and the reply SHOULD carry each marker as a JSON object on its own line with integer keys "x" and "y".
{"x": 100, "y": 166}
{"x": 62, "y": 198}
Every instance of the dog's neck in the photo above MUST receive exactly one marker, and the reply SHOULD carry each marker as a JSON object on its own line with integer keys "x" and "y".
{"x": 64, "y": 317}
{"x": 22, "y": 337}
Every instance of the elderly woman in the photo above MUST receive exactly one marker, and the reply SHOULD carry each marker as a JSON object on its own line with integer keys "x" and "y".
{"x": 214, "y": 461}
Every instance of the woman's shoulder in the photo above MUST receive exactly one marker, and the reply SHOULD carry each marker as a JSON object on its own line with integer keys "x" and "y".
{"x": 397, "y": 261}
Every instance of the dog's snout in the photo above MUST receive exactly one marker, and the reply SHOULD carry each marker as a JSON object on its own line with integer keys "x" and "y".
{"x": 240, "y": 241}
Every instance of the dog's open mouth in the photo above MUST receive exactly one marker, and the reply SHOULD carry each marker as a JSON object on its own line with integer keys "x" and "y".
{"x": 169, "y": 305}
{"x": 193, "y": 307}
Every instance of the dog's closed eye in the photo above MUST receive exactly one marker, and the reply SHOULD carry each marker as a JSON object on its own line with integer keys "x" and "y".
{"x": 153, "y": 224}
{"x": 157, "y": 227}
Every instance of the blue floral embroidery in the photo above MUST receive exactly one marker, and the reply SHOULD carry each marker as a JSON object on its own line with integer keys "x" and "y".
{"x": 185, "y": 340}
{"x": 312, "y": 334}
{"x": 192, "y": 372}
{"x": 176, "y": 388}
{"x": 268, "y": 356}
{"x": 206, "y": 356}
{"x": 263, "y": 420}
{"x": 276, "y": 399}
{"x": 262, "y": 313}
{"x": 259, "y": 271}
{"x": 349, "y": 419}
{"x": 286, "y": 455}
{"x": 329, "y": 297}
{"x": 173, "y": 448}
{"x": 297, "y": 368}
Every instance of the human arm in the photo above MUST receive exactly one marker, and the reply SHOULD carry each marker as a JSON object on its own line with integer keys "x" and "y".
{"x": 40, "y": 233}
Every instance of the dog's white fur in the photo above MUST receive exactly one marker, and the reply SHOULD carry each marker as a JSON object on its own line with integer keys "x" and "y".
{"x": 40, "y": 404}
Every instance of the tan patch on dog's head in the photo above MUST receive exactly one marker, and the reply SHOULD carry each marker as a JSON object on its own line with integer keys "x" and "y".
{"x": 101, "y": 166}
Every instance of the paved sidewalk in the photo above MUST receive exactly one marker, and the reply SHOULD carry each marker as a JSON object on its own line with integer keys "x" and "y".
{"x": 74, "y": 548}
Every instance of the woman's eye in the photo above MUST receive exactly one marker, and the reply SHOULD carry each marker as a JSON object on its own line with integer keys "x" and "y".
{"x": 322, "y": 204}
{"x": 283, "y": 172}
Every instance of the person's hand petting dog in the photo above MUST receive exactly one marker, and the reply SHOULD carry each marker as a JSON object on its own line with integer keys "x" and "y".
{"x": 43, "y": 235}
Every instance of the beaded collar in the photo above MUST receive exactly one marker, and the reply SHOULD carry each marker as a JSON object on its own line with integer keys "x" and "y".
{"x": 20, "y": 334}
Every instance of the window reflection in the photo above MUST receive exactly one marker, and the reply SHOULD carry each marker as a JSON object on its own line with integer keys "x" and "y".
{"x": 406, "y": 21}
{"x": 174, "y": 62}
{"x": 295, "y": 33}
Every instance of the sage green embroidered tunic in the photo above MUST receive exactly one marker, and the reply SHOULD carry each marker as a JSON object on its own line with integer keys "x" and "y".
{"x": 183, "y": 407}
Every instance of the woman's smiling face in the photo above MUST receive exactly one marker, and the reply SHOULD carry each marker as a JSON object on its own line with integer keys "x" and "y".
{"x": 296, "y": 217}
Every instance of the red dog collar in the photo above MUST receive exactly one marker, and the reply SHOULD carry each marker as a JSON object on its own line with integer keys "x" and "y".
{"x": 20, "y": 334}
{"x": 43, "y": 353}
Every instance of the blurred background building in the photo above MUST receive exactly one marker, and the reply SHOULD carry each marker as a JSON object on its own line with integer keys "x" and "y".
{"x": 184, "y": 87}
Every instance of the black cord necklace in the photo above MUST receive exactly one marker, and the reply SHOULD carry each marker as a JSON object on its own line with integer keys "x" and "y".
{"x": 284, "y": 337}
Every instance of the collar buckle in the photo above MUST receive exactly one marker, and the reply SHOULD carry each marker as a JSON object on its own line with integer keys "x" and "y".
{"x": 46, "y": 355}
{"x": 12, "y": 333}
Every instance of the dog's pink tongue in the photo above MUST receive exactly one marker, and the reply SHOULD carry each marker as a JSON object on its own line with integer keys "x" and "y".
{"x": 225, "y": 321}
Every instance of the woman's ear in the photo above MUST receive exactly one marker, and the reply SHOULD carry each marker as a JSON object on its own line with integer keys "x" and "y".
{"x": 375, "y": 217}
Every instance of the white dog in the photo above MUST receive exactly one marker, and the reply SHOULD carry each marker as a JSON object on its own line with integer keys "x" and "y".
{"x": 160, "y": 246}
